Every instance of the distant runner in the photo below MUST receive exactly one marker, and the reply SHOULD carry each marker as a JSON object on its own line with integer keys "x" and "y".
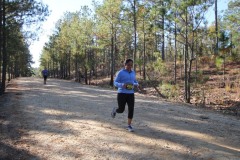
{"x": 45, "y": 75}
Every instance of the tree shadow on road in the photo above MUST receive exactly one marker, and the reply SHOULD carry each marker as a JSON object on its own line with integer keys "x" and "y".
{"x": 54, "y": 107}
{"x": 10, "y": 153}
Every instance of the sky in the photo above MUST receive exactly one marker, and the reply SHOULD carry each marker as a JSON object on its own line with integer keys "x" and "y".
{"x": 59, "y": 7}
{"x": 222, "y": 5}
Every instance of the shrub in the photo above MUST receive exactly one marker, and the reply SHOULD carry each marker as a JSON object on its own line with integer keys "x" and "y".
{"x": 201, "y": 78}
{"x": 170, "y": 91}
{"x": 219, "y": 62}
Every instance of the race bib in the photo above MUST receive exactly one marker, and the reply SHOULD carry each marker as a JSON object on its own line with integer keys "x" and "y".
{"x": 129, "y": 86}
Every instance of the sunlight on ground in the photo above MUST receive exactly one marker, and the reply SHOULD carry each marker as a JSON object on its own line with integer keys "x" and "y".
{"x": 93, "y": 88}
{"x": 196, "y": 135}
{"x": 55, "y": 112}
{"x": 197, "y": 121}
{"x": 228, "y": 147}
{"x": 187, "y": 133}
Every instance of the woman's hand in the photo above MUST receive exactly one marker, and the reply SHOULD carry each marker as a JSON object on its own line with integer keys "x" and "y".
{"x": 128, "y": 86}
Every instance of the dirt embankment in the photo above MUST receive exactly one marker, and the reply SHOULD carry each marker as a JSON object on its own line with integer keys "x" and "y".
{"x": 66, "y": 120}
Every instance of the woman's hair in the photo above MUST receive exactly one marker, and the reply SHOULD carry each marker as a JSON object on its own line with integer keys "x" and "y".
{"x": 127, "y": 61}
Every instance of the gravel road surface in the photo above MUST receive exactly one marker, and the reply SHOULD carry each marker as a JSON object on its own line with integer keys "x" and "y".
{"x": 64, "y": 120}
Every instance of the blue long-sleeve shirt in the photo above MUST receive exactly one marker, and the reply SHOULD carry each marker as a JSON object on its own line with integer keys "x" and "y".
{"x": 45, "y": 72}
{"x": 125, "y": 77}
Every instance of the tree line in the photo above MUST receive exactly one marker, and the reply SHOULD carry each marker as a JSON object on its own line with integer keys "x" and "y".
{"x": 165, "y": 38}
{"x": 156, "y": 34}
{"x": 15, "y": 17}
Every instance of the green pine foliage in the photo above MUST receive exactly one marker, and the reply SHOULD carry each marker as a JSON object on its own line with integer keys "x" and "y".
{"x": 170, "y": 41}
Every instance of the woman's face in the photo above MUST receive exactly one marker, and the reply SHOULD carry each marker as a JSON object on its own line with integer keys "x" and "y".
{"x": 129, "y": 65}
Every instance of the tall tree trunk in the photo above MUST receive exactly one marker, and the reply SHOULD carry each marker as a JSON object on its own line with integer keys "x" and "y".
{"x": 69, "y": 64}
{"x": 85, "y": 74}
{"x": 175, "y": 49}
{"x": 85, "y": 67}
{"x": 196, "y": 59}
{"x": 135, "y": 33}
{"x": 1, "y": 44}
{"x": 216, "y": 26}
{"x": 53, "y": 74}
{"x": 76, "y": 67}
{"x": 66, "y": 69}
{"x": 112, "y": 56}
{"x": 144, "y": 51}
{"x": 163, "y": 35}
{"x": 61, "y": 69}
{"x": 4, "y": 52}
{"x": 186, "y": 78}
{"x": 9, "y": 72}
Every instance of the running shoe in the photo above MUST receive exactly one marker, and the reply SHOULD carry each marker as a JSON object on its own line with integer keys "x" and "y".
{"x": 129, "y": 128}
{"x": 113, "y": 114}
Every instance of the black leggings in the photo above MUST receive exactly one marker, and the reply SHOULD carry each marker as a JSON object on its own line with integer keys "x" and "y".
{"x": 124, "y": 98}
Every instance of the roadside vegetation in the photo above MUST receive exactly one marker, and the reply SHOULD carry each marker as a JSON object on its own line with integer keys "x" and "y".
{"x": 20, "y": 23}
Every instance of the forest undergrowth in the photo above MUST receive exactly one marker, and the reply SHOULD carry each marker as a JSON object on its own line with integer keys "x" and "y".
{"x": 213, "y": 89}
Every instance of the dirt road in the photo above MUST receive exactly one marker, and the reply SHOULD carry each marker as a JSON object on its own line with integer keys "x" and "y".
{"x": 66, "y": 120}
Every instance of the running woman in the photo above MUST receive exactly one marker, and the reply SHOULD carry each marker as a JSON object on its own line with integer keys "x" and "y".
{"x": 125, "y": 81}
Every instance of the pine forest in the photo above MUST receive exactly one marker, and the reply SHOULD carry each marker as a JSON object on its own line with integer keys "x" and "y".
{"x": 178, "y": 53}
